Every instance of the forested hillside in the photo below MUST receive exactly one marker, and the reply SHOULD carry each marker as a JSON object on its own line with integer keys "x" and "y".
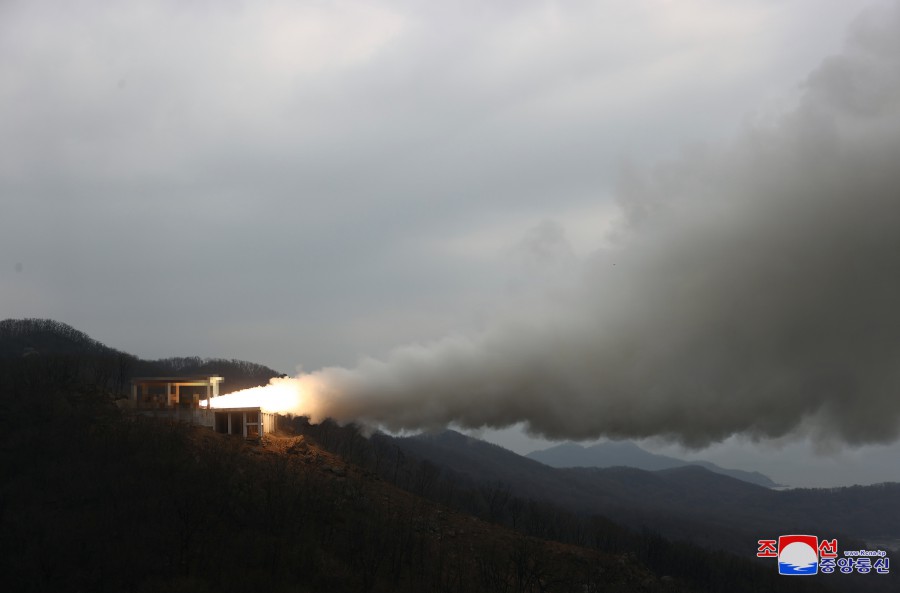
{"x": 60, "y": 354}
{"x": 686, "y": 522}
{"x": 94, "y": 499}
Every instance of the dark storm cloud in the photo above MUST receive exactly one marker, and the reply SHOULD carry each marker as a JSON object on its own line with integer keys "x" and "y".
{"x": 753, "y": 290}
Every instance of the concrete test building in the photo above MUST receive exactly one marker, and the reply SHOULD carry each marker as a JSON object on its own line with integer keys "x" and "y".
{"x": 179, "y": 398}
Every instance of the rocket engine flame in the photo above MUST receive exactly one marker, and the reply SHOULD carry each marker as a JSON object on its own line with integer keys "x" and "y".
{"x": 280, "y": 396}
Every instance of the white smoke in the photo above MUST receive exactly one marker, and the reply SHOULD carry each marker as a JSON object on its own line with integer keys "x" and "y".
{"x": 755, "y": 289}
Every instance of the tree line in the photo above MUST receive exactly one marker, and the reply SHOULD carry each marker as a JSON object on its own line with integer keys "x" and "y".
{"x": 36, "y": 353}
{"x": 700, "y": 568}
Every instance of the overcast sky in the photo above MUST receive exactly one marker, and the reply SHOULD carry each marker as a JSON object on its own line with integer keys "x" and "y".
{"x": 301, "y": 184}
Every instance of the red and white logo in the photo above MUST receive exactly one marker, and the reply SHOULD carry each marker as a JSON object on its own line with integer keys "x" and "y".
{"x": 798, "y": 554}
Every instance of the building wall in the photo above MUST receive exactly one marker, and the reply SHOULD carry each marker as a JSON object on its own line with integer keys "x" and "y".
{"x": 250, "y": 423}
{"x": 157, "y": 393}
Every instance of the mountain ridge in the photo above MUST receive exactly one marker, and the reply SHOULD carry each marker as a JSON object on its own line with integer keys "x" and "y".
{"x": 691, "y": 502}
{"x": 60, "y": 348}
{"x": 629, "y": 454}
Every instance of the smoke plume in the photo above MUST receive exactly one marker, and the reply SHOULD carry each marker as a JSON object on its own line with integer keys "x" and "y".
{"x": 753, "y": 289}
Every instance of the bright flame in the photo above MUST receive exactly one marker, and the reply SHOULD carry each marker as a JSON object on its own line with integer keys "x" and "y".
{"x": 279, "y": 396}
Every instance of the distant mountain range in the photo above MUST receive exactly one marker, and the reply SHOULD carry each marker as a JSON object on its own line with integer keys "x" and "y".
{"x": 628, "y": 454}
{"x": 687, "y": 502}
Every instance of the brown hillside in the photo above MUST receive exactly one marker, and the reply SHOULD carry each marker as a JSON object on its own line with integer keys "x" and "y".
{"x": 467, "y": 549}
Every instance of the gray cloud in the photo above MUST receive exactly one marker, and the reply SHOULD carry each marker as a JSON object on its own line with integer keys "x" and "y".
{"x": 753, "y": 290}
{"x": 292, "y": 182}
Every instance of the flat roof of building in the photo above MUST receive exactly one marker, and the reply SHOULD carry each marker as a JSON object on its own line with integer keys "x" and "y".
{"x": 185, "y": 379}
{"x": 239, "y": 409}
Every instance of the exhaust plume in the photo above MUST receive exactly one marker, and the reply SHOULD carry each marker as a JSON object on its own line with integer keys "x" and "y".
{"x": 751, "y": 289}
